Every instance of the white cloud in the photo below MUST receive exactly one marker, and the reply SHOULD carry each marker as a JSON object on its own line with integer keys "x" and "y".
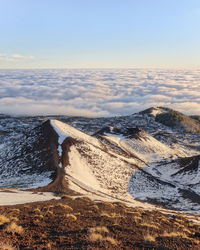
{"x": 97, "y": 92}
{"x": 14, "y": 57}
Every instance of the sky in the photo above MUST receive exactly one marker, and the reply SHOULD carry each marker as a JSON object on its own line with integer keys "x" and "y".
{"x": 99, "y": 34}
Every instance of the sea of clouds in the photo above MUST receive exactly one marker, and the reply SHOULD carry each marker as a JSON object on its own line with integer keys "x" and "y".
{"x": 97, "y": 92}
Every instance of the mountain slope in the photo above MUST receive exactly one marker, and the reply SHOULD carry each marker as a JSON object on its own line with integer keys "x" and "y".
{"x": 125, "y": 158}
{"x": 29, "y": 161}
{"x": 139, "y": 143}
{"x": 175, "y": 119}
{"x": 92, "y": 164}
{"x": 105, "y": 167}
{"x": 175, "y": 184}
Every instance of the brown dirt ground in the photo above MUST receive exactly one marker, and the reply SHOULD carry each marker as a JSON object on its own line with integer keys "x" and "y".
{"x": 66, "y": 224}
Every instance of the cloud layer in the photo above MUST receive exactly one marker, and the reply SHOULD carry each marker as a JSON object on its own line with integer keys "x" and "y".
{"x": 97, "y": 92}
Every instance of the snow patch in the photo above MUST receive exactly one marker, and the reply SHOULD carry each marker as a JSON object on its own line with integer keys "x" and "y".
{"x": 20, "y": 197}
{"x": 79, "y": 169}
{"x": 113, "y": 137}
{"x": 156, "y": 111}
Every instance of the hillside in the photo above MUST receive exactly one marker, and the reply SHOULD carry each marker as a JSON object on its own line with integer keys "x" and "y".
{"x": 175, "y": 119}
{"x": 130, "y": 175}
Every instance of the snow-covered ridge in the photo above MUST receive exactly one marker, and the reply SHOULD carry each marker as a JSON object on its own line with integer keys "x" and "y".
{"x": 64, "y": 130}
{"x": 149, "y": 149}
{"x": 93, "y": 165}
{"x": 143, "y": 145}
{"x": 96, "y": 165}
{"x": 103, "y": 164}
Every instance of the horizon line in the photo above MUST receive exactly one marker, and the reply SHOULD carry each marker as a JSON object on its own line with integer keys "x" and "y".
{"x": 105, "y": 68}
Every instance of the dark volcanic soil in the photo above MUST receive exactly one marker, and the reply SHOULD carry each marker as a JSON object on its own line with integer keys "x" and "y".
{"x": 79, "y": 223}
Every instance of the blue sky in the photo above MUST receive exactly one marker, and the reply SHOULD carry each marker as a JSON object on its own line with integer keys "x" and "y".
{"x": 99, "y": 33}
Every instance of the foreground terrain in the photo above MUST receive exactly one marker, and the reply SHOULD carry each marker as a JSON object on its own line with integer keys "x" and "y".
{"x": 79, "y": 223}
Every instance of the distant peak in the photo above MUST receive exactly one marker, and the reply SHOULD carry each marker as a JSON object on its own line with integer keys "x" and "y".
{"x": 153, "y": 111}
